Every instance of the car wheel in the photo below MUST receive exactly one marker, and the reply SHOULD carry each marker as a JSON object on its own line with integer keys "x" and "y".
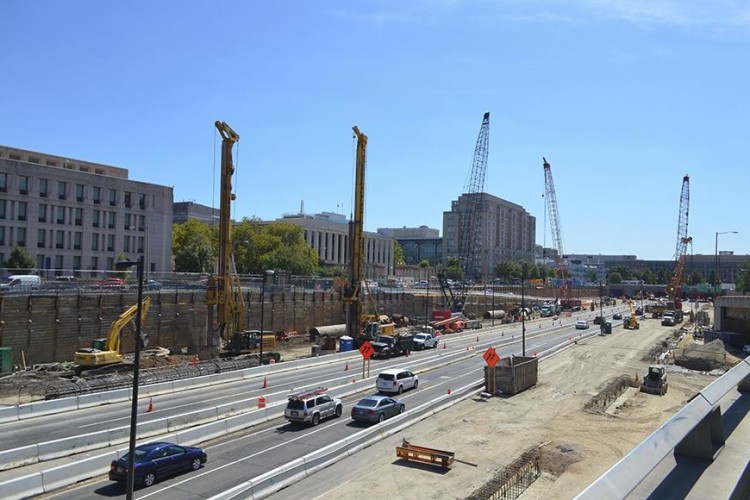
{"x": 381, "y": 417}
{"x": 400, "y": 389}
{"x": 316, "y": 419}
{"x": 196, "y": 463}
{"x": 149, "y": 479}
{"x": 416, "y": 383}
{"x": 401, "y": 408}
{"x": 339, "y": 411}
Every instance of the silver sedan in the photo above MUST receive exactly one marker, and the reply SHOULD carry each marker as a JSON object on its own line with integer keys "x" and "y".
{"x": 377, "y": 408}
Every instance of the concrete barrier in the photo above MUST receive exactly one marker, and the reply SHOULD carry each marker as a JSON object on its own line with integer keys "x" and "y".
{"x": 18, "y": 457}
{"x": 103, "y": 398}
{"x": 79, "y": 470}
{"x": 40, "y": 408}
{"x": 50, "y": 450}
{"x": 8, "y": 414}
{"x": 22, "y": 487}
{"x": 118, "y": 435}
{"x": 190, "y": 437}
{"x": 192, "y": 418}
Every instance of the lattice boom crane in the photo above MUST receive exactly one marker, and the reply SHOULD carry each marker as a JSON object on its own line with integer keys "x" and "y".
{"x": 554, "y": 222}
{"x": 675, "y": 284}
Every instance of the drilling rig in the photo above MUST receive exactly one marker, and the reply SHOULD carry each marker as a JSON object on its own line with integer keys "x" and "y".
{"x": 673, "y": 289}
{"x": 468, "y": 223}
{"x": 223, "y": 289}
{"x": 554, "y": 221}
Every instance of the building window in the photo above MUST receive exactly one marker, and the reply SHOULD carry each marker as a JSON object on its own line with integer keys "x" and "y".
{"x": 43, "y": 188}
{"x": 51, "y": 163}
{"x": 58, "y": 261}
{"x": 112, "y": 197}
{"x": 3, "y": 205}
{"x": 79, "y": 192}
{"x": 110, "y": 262}
{"x": 2, "y": 238}
{"x": 141, "y": 223}
{"x": 78, "y": 216}
{"x": 97, "y": 195}
{"x": 128, "y": 198}
{"x": 60, "y": 215}
{"x": 95, "y": 241}
{"x": 126, "y": 244}
{"x": 62, "y": 187}
{"x": 94, "y": 263}
{"x": 23, "y": 184}
{"x": 60, "y": 239}
{"x": 14, "y": 157}
{"x": 111, "y": 220}
{"x": 77, "y": 239}
{"x": 84, "y": 169}
{"x": 110, "y": 242}
{"x": 21, "y": 236}
{"x": 33, "y": 160}
{"x": 3, "y": 182}
{"x": 140, "y": 245}
{"x": 142, "y": 201}
{"x": 127, "y": 222}
{"x": 22, "y": 207}
{"x": 43, "y": 212}
{"x": 99, "y": 171}
{"x": 40, "y": 234}
{"x": 95, "y": 222}
{"x": 76, "y": 262}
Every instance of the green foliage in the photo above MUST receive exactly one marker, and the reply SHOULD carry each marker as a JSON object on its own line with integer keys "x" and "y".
{"x": 194, "y": 247}
{"x": 506, "y": 270}
{"x": 398, "y": 255}
{"x": 258, "y": 247}
{"x": 614, "y": 277}
{"x": 424, "y": 263}
{"x": 454, "y": 271}
{"x": 20, "y": 261}
{"x": 648, "y": 276}
{"x": 331, "y": 272}
{"x": 695, "y": 278}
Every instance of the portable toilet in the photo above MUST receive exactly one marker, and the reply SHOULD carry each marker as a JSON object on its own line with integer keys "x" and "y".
{"x": 346, "y": 344}
{"x": 608, "y": 327}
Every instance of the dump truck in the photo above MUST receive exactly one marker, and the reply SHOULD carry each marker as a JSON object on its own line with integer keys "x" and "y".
{"x": 655, "y": 380}
{"x": 387, "y": 346}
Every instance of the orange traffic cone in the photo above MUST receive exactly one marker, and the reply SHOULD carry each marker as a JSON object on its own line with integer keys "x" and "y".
{"x": 150, "y": 405}
{"x": 346, "y": 368}
{"x": 265, "y": 382}
{"x": 354, "y": 381}
{"x": 195, "y": 360}
{"x": 262, "y": 402}
{"x": 445, "y": 345}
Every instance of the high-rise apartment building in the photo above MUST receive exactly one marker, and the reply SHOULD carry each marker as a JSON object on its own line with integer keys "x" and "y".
{"x": 504, "y": 231}
{"x": 78, "y": 217}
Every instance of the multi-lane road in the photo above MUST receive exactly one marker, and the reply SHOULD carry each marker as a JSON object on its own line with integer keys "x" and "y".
{"x": 241, "y": 456}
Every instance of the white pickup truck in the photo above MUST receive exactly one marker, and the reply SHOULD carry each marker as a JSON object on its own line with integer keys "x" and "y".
{"x": 424, "y": 340}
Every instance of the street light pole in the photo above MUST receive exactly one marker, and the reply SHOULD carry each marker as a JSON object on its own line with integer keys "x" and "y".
{"x": 266, "y": 274}
{"x": 717, "y": 279}
{"x": 523, "y": 312}
{"x": 136, "y": 370}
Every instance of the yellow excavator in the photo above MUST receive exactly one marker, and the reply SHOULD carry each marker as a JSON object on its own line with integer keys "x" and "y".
{"x": 106, "y": 351}
{"x": 631, "y": 323}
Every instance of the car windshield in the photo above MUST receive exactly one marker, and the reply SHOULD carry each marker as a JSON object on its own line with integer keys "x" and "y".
{"x": 296, "y": 404}
{"x": 139, "y": 454}
{"x": 387, "y": 376}
{"x": 368, "y": 403}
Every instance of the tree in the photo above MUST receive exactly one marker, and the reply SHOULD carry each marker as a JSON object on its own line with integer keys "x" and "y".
{"x": 614, "y": 277}
{"x": 454, "y": 270}
{"x": 258, "y": 247}
{"x": 424, "y": 263}
{"x": 194, "y": 246}
{"x": 506, "y": 270}
{"x": 398, "y": 255}
{"x": 20, "y": 261}
{"x": 648, "y": 276}
{"x": 695, "y": 278}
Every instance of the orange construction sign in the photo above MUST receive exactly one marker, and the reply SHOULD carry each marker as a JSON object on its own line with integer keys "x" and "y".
{"x": 491, "y": 357}
{"x": 367, "y": 350}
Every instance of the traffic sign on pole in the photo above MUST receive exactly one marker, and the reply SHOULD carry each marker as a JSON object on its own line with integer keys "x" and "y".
{"x": 491, "y": 357}
{"x": 367, "y": 350}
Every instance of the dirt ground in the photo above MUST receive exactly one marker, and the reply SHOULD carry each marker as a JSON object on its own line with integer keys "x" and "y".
{"x": 577, "y": 445}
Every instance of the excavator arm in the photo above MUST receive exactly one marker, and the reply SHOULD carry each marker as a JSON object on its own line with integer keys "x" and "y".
{"x": 113, "y": 337}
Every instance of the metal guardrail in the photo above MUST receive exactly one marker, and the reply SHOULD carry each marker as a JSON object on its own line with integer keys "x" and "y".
{"x": 696, "y": 431}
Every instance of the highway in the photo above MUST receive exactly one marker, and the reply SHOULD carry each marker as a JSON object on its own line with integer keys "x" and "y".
{"x": 244, "y": 455}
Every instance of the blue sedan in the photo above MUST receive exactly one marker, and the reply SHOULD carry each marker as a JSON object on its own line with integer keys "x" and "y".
{"x": 157, "y": 460}
{"x": 377, "y": 408}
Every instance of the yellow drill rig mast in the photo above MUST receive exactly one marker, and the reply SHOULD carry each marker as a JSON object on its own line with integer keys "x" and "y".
{"x": 352, "y": 292}
{"x": 223, "y": 288}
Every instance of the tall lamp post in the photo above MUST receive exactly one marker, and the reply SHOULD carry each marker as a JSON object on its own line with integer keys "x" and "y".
{"x": 523, "y": 311}
{"x": 121, "y": 265}
{"x": 601, "y": 309}
{"x": 717, "y": 279}
{"x": 266, "y": 274}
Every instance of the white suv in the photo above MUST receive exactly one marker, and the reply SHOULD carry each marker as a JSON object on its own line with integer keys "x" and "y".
{"x": 582, "y": 324}
{"x": 396, "y": 380}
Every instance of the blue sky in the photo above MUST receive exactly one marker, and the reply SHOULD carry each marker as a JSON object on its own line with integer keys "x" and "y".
{"x": 623, "y": 98}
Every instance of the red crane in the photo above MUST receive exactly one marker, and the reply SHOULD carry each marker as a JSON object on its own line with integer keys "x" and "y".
{"x": 554, "y": 222}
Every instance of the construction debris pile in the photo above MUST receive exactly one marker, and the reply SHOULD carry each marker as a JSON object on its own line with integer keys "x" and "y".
{"x": 705, "y": 357}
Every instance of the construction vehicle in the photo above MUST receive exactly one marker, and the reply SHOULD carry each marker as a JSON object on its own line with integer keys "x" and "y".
{"x": 223, "y": 289}
{"x": 566, "y": 300}
{"x": 674, "y": 288}
{"x": 387, "y": 346}
{"x": 655, "y": 380}
{"x": 104, "y": 352}
{"x": 631, "y": 322}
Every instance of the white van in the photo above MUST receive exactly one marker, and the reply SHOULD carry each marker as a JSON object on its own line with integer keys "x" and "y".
{"x": 20, "y": 282}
